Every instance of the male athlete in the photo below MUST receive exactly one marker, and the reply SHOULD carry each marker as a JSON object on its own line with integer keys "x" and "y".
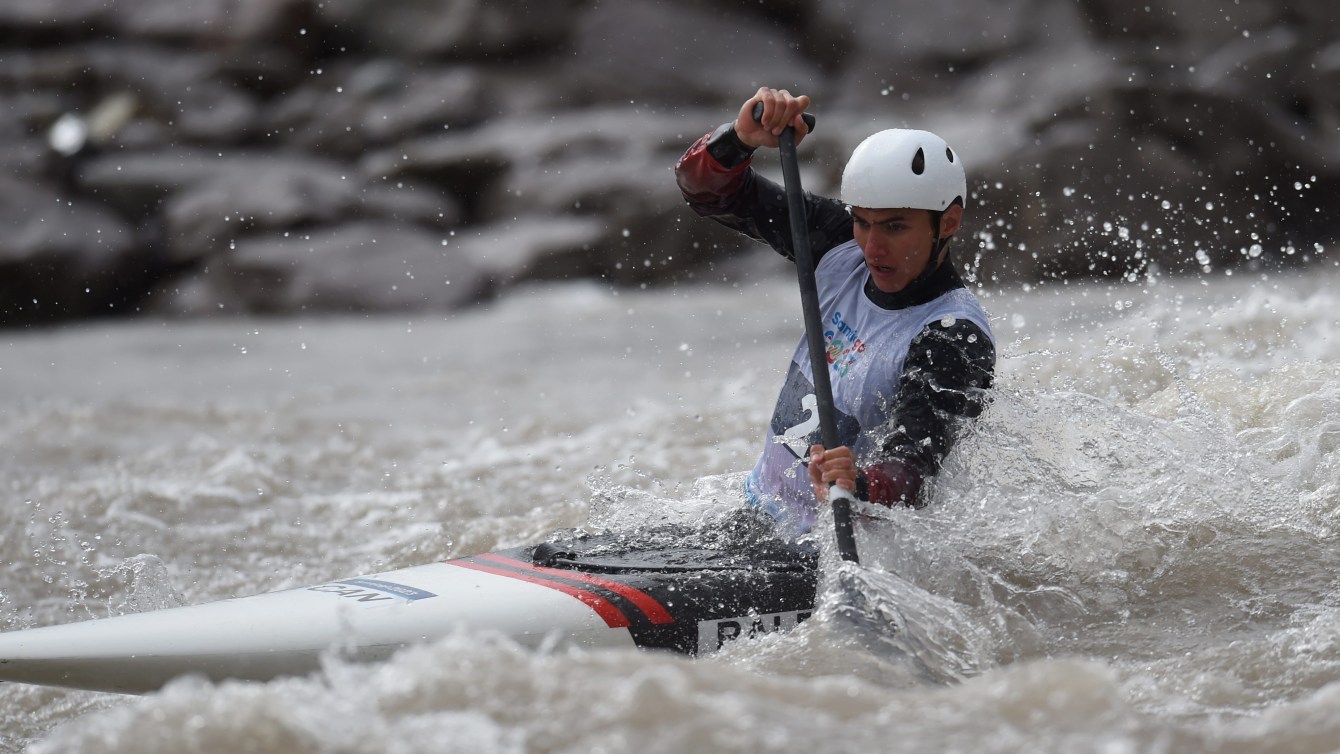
{"x": 910, "y": 348}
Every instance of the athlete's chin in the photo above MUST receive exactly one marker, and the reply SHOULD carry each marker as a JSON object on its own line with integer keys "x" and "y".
{"x": 888, "y": 281}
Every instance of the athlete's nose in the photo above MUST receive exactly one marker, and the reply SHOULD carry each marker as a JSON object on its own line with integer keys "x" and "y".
{"x": 874, "y": 250}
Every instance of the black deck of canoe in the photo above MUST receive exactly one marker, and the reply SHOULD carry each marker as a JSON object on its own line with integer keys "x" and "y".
{"x": 712, "y": 595}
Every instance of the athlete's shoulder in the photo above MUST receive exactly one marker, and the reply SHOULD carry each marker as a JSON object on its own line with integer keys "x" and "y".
{"x": 958, "y": 304}
{"x": 844, "y": 257}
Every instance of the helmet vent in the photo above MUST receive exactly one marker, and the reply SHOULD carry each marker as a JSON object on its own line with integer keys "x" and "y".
{"x": 919, "y": 161}
{"x": 949, "y": 153}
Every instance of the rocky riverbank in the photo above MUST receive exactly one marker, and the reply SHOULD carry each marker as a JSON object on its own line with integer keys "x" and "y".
{"x": 197, "y": 156}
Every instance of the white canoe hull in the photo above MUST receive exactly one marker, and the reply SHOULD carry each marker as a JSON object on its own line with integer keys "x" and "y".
{"x": 369, "y": 618}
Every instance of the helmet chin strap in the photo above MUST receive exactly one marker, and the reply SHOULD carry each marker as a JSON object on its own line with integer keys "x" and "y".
{"x": 938, "y": 252}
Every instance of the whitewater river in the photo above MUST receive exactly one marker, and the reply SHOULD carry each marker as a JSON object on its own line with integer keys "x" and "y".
{"x": 1135, "y": 551}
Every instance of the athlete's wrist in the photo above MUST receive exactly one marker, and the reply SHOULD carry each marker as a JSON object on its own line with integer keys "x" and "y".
{"x": 727, "y": 148}
{"x": 889, "y": 483}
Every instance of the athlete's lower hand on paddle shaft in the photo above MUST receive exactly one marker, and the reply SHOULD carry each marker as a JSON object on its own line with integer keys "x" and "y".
{"x": 780, "y": 109}
{"x": 831, "y": 466}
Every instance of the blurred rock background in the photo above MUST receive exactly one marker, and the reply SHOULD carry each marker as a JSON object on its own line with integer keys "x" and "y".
{"x": 201, "y": 156}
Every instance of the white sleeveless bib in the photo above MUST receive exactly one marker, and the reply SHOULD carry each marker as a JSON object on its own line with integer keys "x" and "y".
{"x": 867, "y": 348}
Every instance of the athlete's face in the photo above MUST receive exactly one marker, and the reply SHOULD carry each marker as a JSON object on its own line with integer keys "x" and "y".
{"x": 897, "y": 243}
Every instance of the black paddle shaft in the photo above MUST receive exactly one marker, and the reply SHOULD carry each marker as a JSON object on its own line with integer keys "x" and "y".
{"x": 814, "y": 334}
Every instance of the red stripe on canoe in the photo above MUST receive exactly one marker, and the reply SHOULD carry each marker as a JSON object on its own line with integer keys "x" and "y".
{"x": 654, "y": 610}
{"x": 612, "y": 615}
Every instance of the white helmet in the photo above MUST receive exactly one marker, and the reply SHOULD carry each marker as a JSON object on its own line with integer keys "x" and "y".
{"x": 904, "y": 169}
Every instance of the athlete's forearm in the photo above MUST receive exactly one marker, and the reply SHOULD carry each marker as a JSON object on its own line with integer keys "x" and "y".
{"x": 890, "y": 483}
{"x": 711, "y": 183}
{"x": 943, "y": 384}
{"x": 716, "y": 179}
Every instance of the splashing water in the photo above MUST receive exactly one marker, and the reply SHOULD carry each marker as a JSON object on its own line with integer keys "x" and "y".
{"x": 1133, "y": 549}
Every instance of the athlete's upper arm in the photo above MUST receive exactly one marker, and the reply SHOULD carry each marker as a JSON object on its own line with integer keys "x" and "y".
{"x": 948, "y": 369}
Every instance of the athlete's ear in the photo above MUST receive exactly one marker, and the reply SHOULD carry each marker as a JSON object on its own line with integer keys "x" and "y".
{"x": 950, "y": 220}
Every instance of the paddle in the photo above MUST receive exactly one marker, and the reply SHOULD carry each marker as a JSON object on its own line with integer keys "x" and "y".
{"x": 839, "y": 498}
